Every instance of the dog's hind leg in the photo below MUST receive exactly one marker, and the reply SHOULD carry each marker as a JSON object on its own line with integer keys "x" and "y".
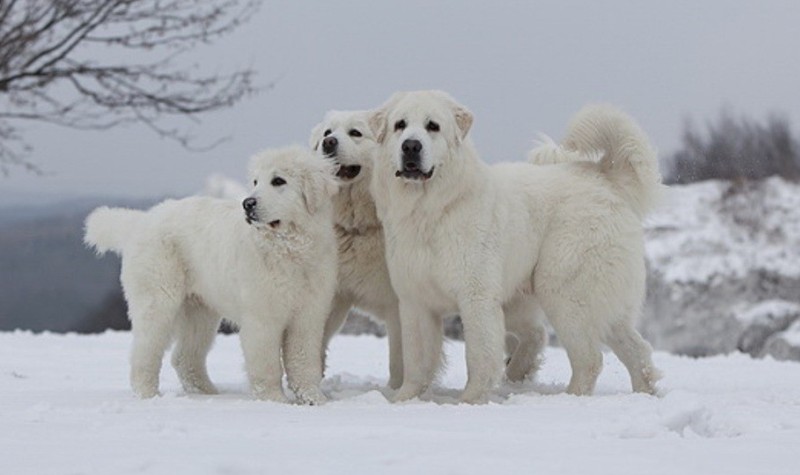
{"x": 576, "y": 332}
{"x": 635, "y": 354}
{"x": 525, "y": 321}
{"x": 196, "y": 328}
{"x": 152, "y": 327}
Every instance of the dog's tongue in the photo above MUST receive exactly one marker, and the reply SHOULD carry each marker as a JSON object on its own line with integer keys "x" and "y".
{"x": 348, "y": 172}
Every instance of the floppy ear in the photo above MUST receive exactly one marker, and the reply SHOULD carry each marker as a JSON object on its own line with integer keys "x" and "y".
{"x": 377, "y": 124}
{"x": 316, "y": 136}
{"x": 463, "y": 118}
{"x": 318, "y": 186}
{"x": 377, "y": 119}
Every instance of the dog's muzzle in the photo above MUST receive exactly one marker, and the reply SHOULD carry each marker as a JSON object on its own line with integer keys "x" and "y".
{"x": 411, "y": 161}
{"x": 330, "y": 148}
{"x": 249, "y": 205}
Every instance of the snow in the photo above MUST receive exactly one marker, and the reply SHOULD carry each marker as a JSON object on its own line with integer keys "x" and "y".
{"x": 716, "y": 228}
{"x": 721, "y": 258}
{"x": 769, "y": 310}
{"x": 65, "y": 408}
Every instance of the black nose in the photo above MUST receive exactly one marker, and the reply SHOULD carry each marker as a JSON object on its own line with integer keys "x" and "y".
{"x": 329, "y": 145}
{"x": 249, "y": 204}
{"x": 411, "y": 147}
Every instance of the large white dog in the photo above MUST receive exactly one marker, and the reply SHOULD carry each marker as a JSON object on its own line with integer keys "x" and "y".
{"x": 345, "y": 138}
{"x": 271, "y": 268}
{"x": 463, "y": 236}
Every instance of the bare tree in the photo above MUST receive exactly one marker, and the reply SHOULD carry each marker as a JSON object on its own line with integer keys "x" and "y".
{"x": 95, "y": 64}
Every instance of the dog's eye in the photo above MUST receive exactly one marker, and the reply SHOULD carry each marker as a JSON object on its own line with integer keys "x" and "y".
{"x": 278, "y": 181}
{"x": 399, "y": 125}
{"x": 255, "y": 182}
{"x": 432, "y": 126}
{"x": 326, "y": 133}
{"x": 354, "y": 133}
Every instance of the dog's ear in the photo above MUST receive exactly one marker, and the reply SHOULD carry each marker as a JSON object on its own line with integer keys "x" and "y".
{"x": 316, "y": 136}
{"x": 376, "y": 121}
{"x": 463, "y": 118}
{"x": 378, "y": 118}
{"x": 319, "y": 185}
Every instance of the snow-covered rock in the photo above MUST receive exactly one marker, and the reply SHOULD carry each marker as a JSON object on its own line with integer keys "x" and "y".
{"x": 724, "y": 269}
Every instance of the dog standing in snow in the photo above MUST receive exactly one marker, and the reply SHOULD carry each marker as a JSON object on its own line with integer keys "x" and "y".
{"x": 345, "y": 139}
{"x": 463, "y": 236}
{"x": 270, "y": 268}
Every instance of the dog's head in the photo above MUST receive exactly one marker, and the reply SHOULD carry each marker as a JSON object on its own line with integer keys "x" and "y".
{"x": 290, "y": 186}
{"x": 420, "y": 130}
{"x": 346, "y": 139}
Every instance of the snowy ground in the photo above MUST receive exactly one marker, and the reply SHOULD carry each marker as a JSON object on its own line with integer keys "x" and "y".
{"x": 65, "y": 408}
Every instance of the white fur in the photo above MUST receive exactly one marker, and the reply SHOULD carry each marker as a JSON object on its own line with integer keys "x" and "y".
{"x": 482, "y": 240}
{"x": 186, "y": 263}
{"x": 363, "y": 277}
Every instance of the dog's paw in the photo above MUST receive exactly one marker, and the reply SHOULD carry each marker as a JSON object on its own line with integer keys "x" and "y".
{"x": 313, "y": 397}
{"x": 406, "y": 393}
{"x": 475, "y": 396}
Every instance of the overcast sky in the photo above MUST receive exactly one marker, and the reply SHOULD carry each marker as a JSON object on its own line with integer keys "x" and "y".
{"x": 521, "y": 67}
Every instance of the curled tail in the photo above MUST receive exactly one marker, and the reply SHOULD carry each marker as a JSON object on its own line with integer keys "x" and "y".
{"x": 627, "y": 157}
{"x": 625, "y": 154}
{"x": 107, "y": 229}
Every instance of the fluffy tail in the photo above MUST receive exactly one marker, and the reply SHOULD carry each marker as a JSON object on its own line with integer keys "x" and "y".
{"x": 625, "y": 154}
{"x": 107, "y": 229}
{"x": 628, "y": 159}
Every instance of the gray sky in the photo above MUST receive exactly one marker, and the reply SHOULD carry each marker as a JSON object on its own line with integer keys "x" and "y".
{"x": 521, "y": 67}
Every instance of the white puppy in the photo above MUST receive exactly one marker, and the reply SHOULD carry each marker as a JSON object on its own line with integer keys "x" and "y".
{"x": 346, "y": 140}
{"x": 463, "y": 236}
{"x": 271, "y": 268}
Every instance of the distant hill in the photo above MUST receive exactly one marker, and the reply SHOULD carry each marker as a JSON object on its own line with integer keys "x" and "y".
{"x": 48, "y": 279}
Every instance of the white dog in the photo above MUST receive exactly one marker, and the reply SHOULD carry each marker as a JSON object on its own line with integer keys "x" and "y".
{"x": 271, "y": 268}
{"x": 463, "y": 236}
{"x": 345, "y": 138}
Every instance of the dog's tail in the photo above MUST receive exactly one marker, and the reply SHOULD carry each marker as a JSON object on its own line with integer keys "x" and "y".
{"x": 107, "y": 229}
{"x": 628, "y": 159}
{"x": 547, "y": 151}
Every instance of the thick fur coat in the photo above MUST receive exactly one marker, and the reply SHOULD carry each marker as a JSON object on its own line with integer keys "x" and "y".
{"x": 345, "y": 139}
{"x": 488, "y": 241}
{"x": 270, "y": 268}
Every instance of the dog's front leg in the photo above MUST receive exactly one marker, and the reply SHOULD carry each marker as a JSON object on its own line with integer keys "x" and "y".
{"x": 484, "y": 338}
{"x": 262, "y": 358}
{"x": 422, "y": 337}
{"x": 302, "y": 354}
{"x": 395, "y": 334}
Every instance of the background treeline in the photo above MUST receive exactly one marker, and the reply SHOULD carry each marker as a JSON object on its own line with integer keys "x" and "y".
{"x": 735, "y": 148}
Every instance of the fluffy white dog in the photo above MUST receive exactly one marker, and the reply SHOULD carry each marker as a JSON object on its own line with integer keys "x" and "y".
{"x": 345, "y": 138}
{"x": 480, "y": 240}
{"x": 271, "y": 268}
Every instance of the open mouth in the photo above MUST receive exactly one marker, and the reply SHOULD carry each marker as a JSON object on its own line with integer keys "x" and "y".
{"x": 252, "y": 218}
{"x": 348, "y": 172}
{"x": 414, "y": 174}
